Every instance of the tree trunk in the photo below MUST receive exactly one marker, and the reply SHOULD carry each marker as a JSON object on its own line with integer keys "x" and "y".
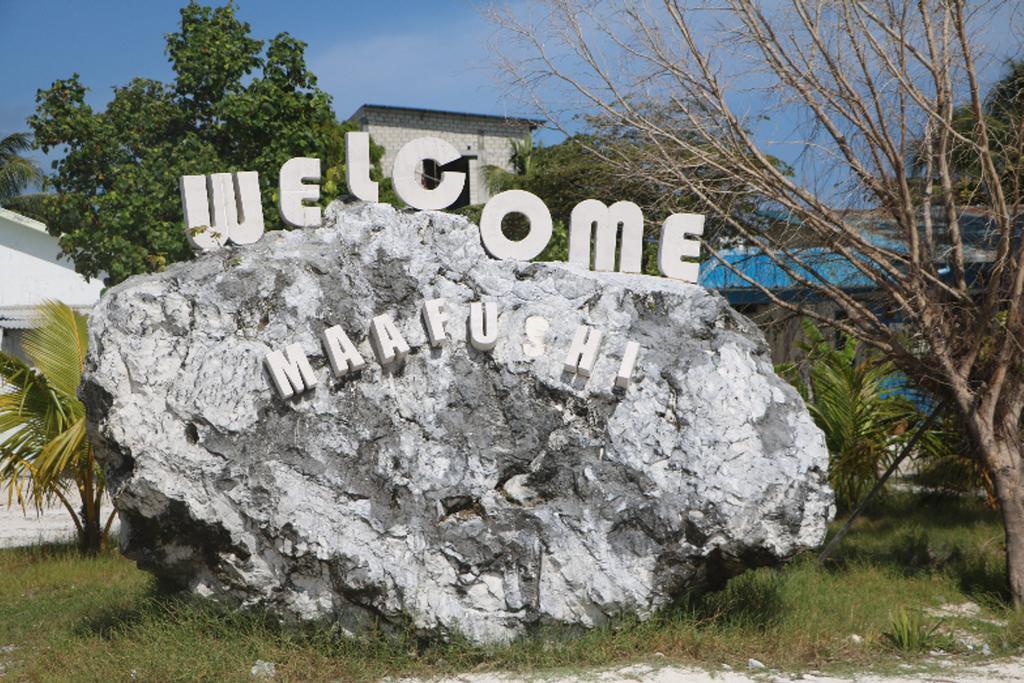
{"x": 1001, "y": 449}
{"x": 1011, "y": 503}
{"x": 91, "y": 536}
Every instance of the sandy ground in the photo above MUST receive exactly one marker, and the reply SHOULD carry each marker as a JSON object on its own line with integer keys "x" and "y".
{"x": 1008, "y": 670}
{"x": 18, "y": 528}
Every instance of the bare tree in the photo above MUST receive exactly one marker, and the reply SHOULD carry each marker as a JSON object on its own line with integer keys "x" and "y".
{"x": 872, "y": 86}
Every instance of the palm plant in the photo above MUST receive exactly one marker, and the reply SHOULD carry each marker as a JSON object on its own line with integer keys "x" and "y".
{"x": 852, "y": 397}
{"x": 522, "y": 161}
{"x": 44, "y": 449}
{"x": 16, "y": 172}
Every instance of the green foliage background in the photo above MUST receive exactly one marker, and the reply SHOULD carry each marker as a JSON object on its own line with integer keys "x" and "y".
{"x": 232, "y": 106}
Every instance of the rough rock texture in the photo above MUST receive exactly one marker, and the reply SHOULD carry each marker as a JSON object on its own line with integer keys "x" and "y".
{"x": 464, "y": 491}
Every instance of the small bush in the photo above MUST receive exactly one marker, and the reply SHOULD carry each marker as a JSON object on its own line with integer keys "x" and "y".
{"x": 856, "y": 399}
{"x": 910, "y": 632}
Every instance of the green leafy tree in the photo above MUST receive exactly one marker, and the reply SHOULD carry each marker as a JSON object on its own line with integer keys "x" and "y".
{"x": 232, "y": 106}
{"x": 16, "y": 171}
{"x": 44, "y": 451}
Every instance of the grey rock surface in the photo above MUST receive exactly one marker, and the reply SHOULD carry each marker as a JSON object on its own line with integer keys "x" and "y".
{"x": 464, "y": 491}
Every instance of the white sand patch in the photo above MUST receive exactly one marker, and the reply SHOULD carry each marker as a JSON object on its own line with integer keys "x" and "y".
{"x": 1006, "y": 670}
{"x": 27, "y": 527}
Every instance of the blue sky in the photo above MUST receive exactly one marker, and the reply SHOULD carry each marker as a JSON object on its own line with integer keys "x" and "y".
{"x": 405, "y": 52}
{"x": 422, "y": 53}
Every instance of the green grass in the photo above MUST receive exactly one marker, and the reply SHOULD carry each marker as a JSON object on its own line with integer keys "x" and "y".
{"x": 101, "y": 619}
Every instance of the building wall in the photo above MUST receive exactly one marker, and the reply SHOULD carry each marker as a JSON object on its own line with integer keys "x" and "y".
{"x": 32, "y": 268}
{"x": 486, "y": 140}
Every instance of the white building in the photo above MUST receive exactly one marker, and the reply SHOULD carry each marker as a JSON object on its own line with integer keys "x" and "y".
{"x": 32, "y": 270}
{"x": 483, "y": 140}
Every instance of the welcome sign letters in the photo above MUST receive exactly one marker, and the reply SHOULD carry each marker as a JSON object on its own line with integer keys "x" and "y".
{"x": 227, "y": 207}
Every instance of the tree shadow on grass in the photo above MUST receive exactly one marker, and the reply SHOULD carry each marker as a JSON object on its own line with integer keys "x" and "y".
{"x": 109, "y": 621}
{"x": 752, "y": 600}
{"x": 39, "y": 552}
{"x": 922, "y": 534}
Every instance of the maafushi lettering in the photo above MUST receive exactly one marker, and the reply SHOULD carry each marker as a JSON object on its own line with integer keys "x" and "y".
{"x": 290, "y": 371}
{"x": 292, "y": 374}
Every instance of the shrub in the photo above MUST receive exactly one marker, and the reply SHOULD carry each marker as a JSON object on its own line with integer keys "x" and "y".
{"x": 852, "y": 395}
{"x": 910, "y": 632}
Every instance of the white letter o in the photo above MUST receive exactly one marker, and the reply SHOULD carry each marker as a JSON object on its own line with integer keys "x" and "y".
{"x": 515, "y": 201}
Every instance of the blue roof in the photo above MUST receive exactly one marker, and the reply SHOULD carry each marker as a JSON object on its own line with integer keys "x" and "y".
{"x": 820, "y": 265}
{"x": 816, "y": 264}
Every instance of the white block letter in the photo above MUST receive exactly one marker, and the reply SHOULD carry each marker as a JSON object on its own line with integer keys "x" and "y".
{"x": 583, "y": 352}
{"x": 675, "y": 246}
{"x": 195, "y": 201}
{"x": 357, "y": 166}
{"x": 238, "y": 209}
{"x": 409, "y": 170}
{"x": 222, "y": 207}
{"x": 625, "y": 374}
{"x": 341, "y": 352}
{"x": 388, "y": 343}
{"x": 298, "y": 183}
{"x": 591, "y": 212}
{"x": 434, "y": 315}
{"x": 515, "y": 201}
{"x": 291, "y": 371}
{"x": 483, "y": 325}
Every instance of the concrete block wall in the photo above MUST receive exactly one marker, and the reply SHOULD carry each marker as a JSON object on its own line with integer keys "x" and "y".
{"x": 486, "y": 139}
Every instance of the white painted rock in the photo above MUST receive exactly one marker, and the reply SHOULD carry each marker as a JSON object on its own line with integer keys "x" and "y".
{"x": 473, "y": 491}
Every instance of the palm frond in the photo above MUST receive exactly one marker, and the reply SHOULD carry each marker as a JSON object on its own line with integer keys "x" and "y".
{"x": 42, "y": 422}
{"x": 16, "y": 171}
{"x": 498, "y": 179}
{"x": 849, "y": 393}
{"x": 13, "y": 145}
{"x": 61, "y": 452}
{"x": 57, "y": 345}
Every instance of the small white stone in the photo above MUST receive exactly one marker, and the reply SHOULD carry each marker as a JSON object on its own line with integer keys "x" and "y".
{"x": 755, "y": 664}
{"x": 262, "y": 670}
{"x": 516, "y": 489}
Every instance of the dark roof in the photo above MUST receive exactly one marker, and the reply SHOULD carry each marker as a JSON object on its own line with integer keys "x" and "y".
{"x": 533, "y": 123}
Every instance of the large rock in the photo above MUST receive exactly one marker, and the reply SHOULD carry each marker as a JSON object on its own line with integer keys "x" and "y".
{"x": 479, "y": 492}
